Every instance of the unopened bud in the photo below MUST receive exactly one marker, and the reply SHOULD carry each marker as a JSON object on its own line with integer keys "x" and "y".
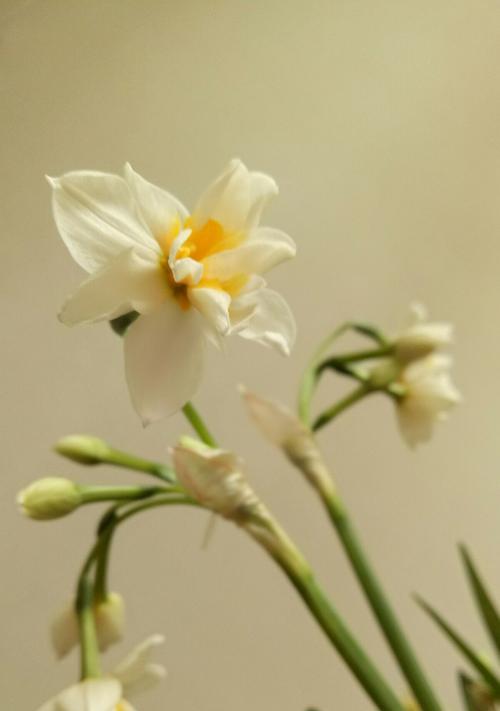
{"x": 109, "y": 620}
{"x": 421, "y": 338}
{"x": 283, "y": 428}
{"x": 83, "y": 449}
{"x": 48, "y": 498}
{"x": 109, "y": 615}
{"x": 214, "y": 478}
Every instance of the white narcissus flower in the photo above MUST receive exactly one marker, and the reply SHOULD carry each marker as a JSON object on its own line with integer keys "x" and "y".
{"x": 427, "y": 395}
{"x": 109, "y": 616}
{"x": 214, "y": 478}
{"x": 421, "y": 338}
{"x": 134, "y": 675}
{"x": 191, "y": 277}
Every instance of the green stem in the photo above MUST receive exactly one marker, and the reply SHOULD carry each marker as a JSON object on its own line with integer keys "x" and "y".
{"x": 310, "y": 376}
{"x": 330, "y": 414}
{"x": 90, "y": 665}
{"x": 95, "y": 494}
{"x": 107, "y": 528}
{"x": 128, "y": 461}
{"x": 380, "y": 605}
{"x": 198, "y": 424}
{"x": 298, "y": 572}
{"x": 102, "y": 563}
{"x": 356, "y": 356}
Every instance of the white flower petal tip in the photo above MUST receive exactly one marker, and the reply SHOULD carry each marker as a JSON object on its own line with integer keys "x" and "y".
{"x": 429, "y": 395}
{"x": 137, "y": 673}
{"x": 214, "y": 478}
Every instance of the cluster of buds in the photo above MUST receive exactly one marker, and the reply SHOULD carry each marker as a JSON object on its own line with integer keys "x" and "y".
{"x": 418, "y": 377}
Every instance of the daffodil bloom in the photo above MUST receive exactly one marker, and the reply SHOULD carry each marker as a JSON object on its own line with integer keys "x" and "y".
{"x": 191, "y": 277}
{"x": 427, "y": 395}
{"x": 109, "y": 693}
{"x": 109, "y": 617}
{"x": 422, "y": 337}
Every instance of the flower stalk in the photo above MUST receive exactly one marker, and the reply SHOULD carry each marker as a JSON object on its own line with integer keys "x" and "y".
{"x": 316, "y": 470}
{"x": 277, "y": 543}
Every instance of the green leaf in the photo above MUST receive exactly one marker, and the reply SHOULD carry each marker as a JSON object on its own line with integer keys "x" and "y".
{"x": 473, "y": 701}
{"x": 488, "y": 676}
{"x": 489, "y": 613}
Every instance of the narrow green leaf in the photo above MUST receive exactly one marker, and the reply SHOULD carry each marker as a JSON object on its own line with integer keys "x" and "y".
{"x": 472, "y": 700}
{"x": 488, "y": 676}
{"x": 489, "y": 613}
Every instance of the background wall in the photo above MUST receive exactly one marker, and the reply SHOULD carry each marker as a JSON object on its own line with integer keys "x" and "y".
{"x": 380, "y": 122}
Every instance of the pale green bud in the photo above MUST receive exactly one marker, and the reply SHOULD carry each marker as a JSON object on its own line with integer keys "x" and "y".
{"x": 48, "y": 498}
{"x": 83, "y": 449}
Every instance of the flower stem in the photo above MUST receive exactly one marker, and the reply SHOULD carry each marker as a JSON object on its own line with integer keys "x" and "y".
{"x": 89, "y": 649}
{"x": 380, "y": 605}
{"x": 128, "y": 461}
{"x": 310, "y": 376}
{"x": 328, "y": 415}
{"x": 95, "y": 494}
{"x": 198, "y": 424}
{"x": 296, "y": 568}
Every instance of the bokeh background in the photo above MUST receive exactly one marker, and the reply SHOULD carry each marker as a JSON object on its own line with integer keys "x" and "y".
{"x": 380, "y": 121}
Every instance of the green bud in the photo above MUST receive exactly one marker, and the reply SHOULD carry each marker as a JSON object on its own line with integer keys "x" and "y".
{"x": 48, "y": 498}
{"x": 83, "y": 449}
{"x": 383, "y": 374}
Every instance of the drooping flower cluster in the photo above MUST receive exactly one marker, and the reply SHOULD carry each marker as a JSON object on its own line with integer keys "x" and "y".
{"x": 191, "y": 277}
{"x": 427, "y": 391}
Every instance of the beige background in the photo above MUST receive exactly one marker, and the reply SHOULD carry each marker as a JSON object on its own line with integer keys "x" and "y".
{"x": 380, "y": 121}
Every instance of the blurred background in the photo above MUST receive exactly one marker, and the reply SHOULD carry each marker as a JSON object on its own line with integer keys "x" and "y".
{"x": 380, "y": 122}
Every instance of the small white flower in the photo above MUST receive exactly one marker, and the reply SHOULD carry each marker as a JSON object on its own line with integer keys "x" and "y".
{"x": 214, "y": 478}
{"x": 109, "y": 616}
{"x": 134, "y": 675}
{"x": 421, "y": 338}
{"x": 190, "y": 277}
{"x": 427, "y": 395}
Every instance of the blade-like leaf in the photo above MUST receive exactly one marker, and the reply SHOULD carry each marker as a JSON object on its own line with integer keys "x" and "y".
{"x": 488, "y": 676}
{"x": 489, "y": 613}
{"x": 473, "y": 702}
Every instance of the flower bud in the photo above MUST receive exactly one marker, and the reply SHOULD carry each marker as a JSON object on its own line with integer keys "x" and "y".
{"x": 83, "y": 449}
{"x": 421, "y": 338}
{"x": 48, "y": 498}
{"x": 283, "y": 428}
{"x": 109, "y": 615}
{"x": 214, "y": 478}
{"x": 109, "y": 620}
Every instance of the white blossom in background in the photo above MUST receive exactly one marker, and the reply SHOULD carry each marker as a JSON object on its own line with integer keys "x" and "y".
{"x": 191, "y": 277}
{"x": 213, "y": 477}
{"x": 428, "y": 394}
{"x": 109, "y": 617}
{"x": 135, "y": 674}
{"x": 422, "y": 337}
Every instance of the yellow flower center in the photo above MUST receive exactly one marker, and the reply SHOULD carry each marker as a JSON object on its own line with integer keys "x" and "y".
{"x": 203, "y": 242}
{"x": 121, "y": 707}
